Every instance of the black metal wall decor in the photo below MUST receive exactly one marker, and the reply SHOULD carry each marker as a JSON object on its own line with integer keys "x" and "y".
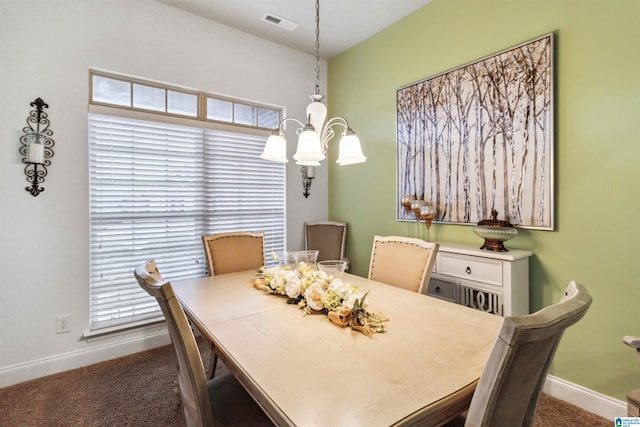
{"x": 308, "y": 173}
{"x": 36, "y": 147}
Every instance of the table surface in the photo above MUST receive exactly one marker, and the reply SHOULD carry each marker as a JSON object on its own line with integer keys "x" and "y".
{"x": 306, "y": 371}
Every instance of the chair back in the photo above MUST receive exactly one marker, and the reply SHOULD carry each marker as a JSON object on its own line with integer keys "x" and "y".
{"x": 329, "y": 238}
{"x": 234, "y": 251}
{"x": 510, "y": 385}
{"x": 191, "y": 376}
{"x": 404, "y": 262}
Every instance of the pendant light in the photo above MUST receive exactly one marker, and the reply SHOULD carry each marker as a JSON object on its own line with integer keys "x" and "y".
{"x": 314, "y": 136}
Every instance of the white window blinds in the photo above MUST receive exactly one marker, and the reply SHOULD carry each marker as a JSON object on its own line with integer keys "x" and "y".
{"x": 241, "y": 193}
{"x": 155, "y": 189}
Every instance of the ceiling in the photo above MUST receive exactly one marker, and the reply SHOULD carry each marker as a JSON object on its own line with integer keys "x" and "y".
{"x": 343, "y": 23}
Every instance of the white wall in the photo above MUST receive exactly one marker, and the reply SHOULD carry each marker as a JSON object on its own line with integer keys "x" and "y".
{"x": 46, "y": 49}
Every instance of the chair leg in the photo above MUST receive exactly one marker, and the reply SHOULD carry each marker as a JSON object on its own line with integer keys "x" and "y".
{"x": 213, "y": 362}
{"x": 213, "y": 358}
{"x": 176, "y": 386}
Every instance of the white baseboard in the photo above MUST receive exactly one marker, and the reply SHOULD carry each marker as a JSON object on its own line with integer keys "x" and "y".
{"x": 151, "y": 338}
{"x": 589, "y": 400}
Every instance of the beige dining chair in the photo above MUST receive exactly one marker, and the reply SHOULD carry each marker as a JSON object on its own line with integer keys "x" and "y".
{"x": 329, "y": 238}
{"x": 229, "y": 253}
{"x": 512, "y": 380}
{"x": 234, "y": 251}
{"x": 404, "y": 262}
{"x": 221, "y": 400}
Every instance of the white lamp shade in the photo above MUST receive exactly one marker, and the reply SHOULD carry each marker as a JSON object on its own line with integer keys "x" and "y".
{"x": 309, "y": 152}
{"x": 317, "y": 113}
{"x": 275, "y": 149}
{"x": 350, "y": 151}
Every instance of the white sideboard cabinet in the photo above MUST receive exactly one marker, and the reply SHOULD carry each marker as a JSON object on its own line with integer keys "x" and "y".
{"x": 495, "y": 282}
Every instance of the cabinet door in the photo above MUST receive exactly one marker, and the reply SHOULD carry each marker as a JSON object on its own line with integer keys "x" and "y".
{"x": 480, "y": 299}
{"x": 442, "y": 289}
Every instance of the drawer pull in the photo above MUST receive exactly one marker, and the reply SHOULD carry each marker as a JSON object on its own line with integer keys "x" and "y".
{"x": 437, "y": 290}
{"x": 468, "y": 270}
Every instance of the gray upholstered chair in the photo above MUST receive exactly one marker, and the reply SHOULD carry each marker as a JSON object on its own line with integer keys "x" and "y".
{"x": 221, "y": 400}
{"x": 234, "y": 251}
{"x": 329, "y": 238}
{"x": 403, "y": 262}
{"x": 510, "y": 385}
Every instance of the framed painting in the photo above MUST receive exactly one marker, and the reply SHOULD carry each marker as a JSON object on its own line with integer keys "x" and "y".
{"x": 480, "y": 138}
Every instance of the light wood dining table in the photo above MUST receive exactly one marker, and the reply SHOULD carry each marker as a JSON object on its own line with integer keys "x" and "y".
{"x": 306, "y": 371}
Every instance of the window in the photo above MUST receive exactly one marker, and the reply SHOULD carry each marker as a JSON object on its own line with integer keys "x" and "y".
{"x": 156, "y": 188}
{"x": 136, "y": 94}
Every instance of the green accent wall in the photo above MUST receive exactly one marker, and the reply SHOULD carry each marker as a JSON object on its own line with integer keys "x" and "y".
{"x": 597, "y": 156}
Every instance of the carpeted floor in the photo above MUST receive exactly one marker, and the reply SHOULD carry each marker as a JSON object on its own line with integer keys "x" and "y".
{"x": 140, "y": 390}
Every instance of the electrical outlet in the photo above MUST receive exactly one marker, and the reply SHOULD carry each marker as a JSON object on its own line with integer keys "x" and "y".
{"x": 63, "y": 324}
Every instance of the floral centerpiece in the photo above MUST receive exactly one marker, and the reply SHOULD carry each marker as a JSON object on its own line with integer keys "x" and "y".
{"x": 315, "y": 291}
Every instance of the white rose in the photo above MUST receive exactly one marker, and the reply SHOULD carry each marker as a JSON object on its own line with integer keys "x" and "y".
{"x": 339, "y": 287}
{"x": 314, "y": 295}
{"x": 350, "y": 299}
{"x": 277, "y": 281}
{"x": 320, "y": 275}
{"x": 292, "y": 287}
{"x": 289, "y": 275}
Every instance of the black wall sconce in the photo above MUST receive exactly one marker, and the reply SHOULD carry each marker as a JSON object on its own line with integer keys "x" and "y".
{"x": 308, "y": 173}
{"x": 36, "y": 147}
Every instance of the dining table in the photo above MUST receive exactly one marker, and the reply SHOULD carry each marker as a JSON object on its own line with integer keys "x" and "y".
{"x": 304, "y": 370}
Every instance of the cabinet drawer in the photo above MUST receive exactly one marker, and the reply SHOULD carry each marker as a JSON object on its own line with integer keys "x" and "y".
{"x": 442, "y": 289}
{"x": 472, "y": 268}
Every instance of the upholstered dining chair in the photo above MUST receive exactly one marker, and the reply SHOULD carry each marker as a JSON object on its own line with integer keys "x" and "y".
{"x": 329, "y": 238}
{"x": 511, "y": 382}
{"x": 221, "y": 400}
{"x": 229, "y": 253}
{"x": 234, "y": 251}
{"x": 404, "y": 262}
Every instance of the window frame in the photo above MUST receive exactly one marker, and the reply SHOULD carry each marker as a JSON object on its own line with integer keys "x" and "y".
{"x": 136, "y": 113}
{"x": 201, "y": 103}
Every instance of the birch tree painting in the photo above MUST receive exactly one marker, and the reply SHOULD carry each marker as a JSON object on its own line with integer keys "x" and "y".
{"x": 480, "y": 137}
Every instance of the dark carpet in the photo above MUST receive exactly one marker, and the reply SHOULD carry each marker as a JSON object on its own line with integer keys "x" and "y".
{"x": 140, "y": 390}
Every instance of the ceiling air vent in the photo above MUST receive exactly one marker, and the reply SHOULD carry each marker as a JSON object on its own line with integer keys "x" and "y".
{"x": 282, "y": 23}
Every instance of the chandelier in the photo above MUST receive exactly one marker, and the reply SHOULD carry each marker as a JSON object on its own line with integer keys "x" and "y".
{"x": 314, "y": 136}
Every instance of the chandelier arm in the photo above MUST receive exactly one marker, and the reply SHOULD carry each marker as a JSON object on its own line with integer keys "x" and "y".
{"x": 326, "y": 136}
{"x": 286, "y": 119}
{"x": 337, "y": 120}
{"x": 327, "y": 130}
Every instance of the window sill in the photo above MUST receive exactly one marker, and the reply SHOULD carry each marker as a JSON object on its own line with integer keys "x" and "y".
{"x": 130, "y": 328}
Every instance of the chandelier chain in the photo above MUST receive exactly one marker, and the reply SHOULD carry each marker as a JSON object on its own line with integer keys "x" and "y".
{"x": 317, "y": 47}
